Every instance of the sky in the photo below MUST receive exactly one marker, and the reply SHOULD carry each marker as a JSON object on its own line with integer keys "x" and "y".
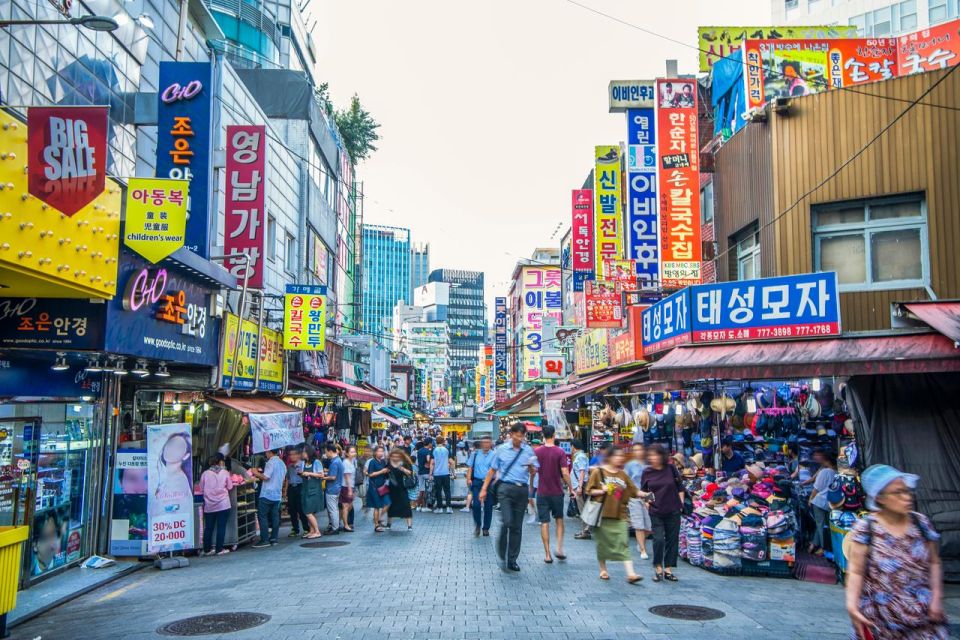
{"x": 489, "y": 111}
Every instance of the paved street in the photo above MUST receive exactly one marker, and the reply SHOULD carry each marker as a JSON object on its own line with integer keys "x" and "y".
{"x": 438, "y": 581}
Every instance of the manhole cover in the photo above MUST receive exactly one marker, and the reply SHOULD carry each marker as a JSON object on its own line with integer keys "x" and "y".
{"x": 323, "y": 544}
{"x": 686, "y": 612}
{"x": 214, "y": 623}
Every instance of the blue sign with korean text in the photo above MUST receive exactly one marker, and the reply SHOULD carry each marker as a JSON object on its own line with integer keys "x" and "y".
{"x": 500, "y": 348}
{"x": 29, "y": 377}
{"x": 643, "y": 244}
{"x": 183, "y": 141}
{"x": 800, "y": 306}
{"x": 51, "y": 323}
{"x": 667, "y": 323}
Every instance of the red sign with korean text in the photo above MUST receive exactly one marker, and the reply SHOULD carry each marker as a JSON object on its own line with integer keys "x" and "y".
{"x": 627, "y": 347}
{"x": 67, "y": 155}
{"x": 604, "y": 304}
{"x": 245, "y": 201}
{"x": 622, "y": 271}
{"x": 678, "y": 155}
{"x": 929, "y": 49}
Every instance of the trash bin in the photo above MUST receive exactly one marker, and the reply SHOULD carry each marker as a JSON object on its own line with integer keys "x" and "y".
{"x": 11, "y": 551}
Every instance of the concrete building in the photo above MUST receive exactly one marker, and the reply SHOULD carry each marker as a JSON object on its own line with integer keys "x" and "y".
{"x": 873, "y": 18}
{"x": 427, "y": 345}
{"x": 419, "y": 264}
{"x": 385, "y": 276}
{"x": 535, "y": 291}
{"x": 402, "y": 314}
{"x": 467, "y": 317}
{"x": 434, "y": 299}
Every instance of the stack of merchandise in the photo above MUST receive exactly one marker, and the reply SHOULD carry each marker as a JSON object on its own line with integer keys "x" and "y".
{"x": 691, "y": 539}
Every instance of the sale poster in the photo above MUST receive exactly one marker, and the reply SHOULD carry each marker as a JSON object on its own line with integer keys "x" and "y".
{"x": 270, "y": 431}
{"x": 604, "y": 304}
{"x": 128, "y": 524}
{"x": 170, "y": 487}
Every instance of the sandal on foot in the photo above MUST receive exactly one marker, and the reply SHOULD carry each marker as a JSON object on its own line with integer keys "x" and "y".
{"x": 559, "y": 556}
{"x": 378, "y": 529}
{"x": 548, "y": 560}
{"x": 658, "y": 577}
{"x": 604, "y": 575}
{"x": 670, "y": 577}
{"x": 634, "y": 579}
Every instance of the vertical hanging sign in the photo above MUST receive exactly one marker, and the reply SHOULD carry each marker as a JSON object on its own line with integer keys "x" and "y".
{"x": 678, "y": 152}
{"x": 607, "y": 219}
{"x": 642, "y": 222}
{"x": 243, "y": 230}
{"x": 67, "y": 155}
{"x": 500, "y": 349}
{"x": 582, "y": 237}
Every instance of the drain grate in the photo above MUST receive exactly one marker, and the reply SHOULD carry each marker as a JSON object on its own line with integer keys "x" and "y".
{"x": 686, "y": 612}
{"x": 323, "y": 544}
{"x": 213, "y": 623}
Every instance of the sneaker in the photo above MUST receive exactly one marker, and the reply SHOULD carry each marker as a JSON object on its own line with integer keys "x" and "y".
{"x": 223, "y": 552}
{"x": 465, "y": 510}
{"x": 208, "y": 553}
{"x": 419, "y": 509}
{"x": 644, "y": 556}
{"x": 263, "y": 544}
{"x": 293, "y": 534}
{"x": 273, "y": 542}
{"x": 437, "y": 510}
{"x": 449, "y": 510}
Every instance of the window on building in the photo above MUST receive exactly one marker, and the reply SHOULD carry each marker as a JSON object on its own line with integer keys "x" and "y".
{"x": 706, "y": 203}
{"x": 908, "y": 15}
{"x": 290, "y": 259}
{"x": 860, "y": 22}
{"x": 748, "y": 254}
{"x": 942, "y": 10}
{"x": 813, "y": 6}
{"x": 873, "y": 244}
{"x": 271, "y": 237}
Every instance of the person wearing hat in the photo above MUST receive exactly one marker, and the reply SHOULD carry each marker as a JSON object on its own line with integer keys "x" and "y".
{"x": 894, "y": 574}
{"x": 731, "y": 462}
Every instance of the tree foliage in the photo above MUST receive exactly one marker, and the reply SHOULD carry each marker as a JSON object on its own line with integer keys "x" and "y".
{"x": 357, "y": 128}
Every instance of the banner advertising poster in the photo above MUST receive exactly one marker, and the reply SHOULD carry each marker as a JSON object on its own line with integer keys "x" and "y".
{"x": 49, "y": 539}
{"x": 245, "y": 216}
{"x": 929, "y": 49}
{"x": 666, "y": 324}
{"x": 627, "y": 347}
{"x": 678, "y": 150}
{"x": 128, "y": 524}
{"x": 798, "y": 306}
{"x": 170, "y": 484}
{"x": 67, "y": 155}
{"x": 643, "y": 225}
{"x": 156, "y": 216}
{"x": 267, "y": 349}
{"x": 183, "y": 141}
{"x": 582, "y": 237}
{"x": 540, "y": 296}
{"x": 590, "y": 351}
{"x": 607, "y": 222}
{"x": 500, "y": 348}
{"x": 622, "y": 271}
{"x": 791, "y": 68}
{"x": 604, "y": 304}
{"x": 275, "y": 430}
{"x": 305, "y": 317}
{"x": 718, "y": 42}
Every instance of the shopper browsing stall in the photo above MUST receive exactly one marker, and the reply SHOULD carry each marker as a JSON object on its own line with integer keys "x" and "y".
{"x": 215, "y": 484}
{"x": 818, "y": 497}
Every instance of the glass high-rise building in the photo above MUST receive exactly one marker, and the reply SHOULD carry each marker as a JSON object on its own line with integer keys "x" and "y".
{"x": 467, "y": 320}
{"x": 386, "y": 276}
{"x": 419, "y": 264}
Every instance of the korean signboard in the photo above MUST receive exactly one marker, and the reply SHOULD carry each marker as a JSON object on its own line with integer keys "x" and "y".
{"x": 553, "y": 367}
{"x": 590, "y": 351}
{"x": 607, "y": 220}
{"x": 319, "y": 257}
{"x": 800, "y": 306}
{"x": 666, "y": 324}
{"x": 719, "y": 42}
{"x": 790, "y": 68}
{"x": 156, "y": 217}
{"x": 643, "y": 224}
{"x": 67, "y": 155}
{"x": 604, "y": 304}
{"x": 500, "y": 348}
{"x": 540, "y": 296}
{"x": 170, "y": 484}
{"x": 51, "y": 323}
{"x": 305, "y": 317}
{"x": 622, "y": 271}
{"x": 581, "y": 242}
{"x": 128, "y": 526}
{"x": 183, "y": 141}
{"x": 161, "y": 314}
{"x": 630, "y": 94}
{"x": 627, "y": 347}
{"x": 678, "y": 150}
{"x": 929, "y": 49}
{"x": 245, "y": 217}
{"x": 267, "y": 349}
{"x": 275, "y": 430}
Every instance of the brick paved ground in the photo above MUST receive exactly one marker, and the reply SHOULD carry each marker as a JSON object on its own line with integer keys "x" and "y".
{"x": 438, "y": 581}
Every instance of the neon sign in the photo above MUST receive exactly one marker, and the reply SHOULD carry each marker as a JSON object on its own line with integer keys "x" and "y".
{"x": 148, "y": 289}
{"x": 175, "y": 92}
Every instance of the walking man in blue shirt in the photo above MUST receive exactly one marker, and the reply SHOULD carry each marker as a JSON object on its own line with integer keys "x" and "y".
{"x": 334, "y": 480}
{"x": 440, "y": 467}
{"x": 514, "y": 465}
{"x": 478, "y": 465}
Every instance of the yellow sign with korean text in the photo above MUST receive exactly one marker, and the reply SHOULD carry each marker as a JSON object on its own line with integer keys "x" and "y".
{"x": 590, "y": 351}
{"x": 719, "y": 42}
{"x": 267, "y": 348}
{"x": 607, "y": 216}
{"x": 305, "y": 317}
{"x": 156, "y": 219}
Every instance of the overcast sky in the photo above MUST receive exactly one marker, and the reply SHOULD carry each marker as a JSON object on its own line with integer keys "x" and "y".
{"x": 490, "y": 110}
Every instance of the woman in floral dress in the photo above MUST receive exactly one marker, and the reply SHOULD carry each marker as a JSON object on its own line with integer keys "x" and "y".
{"x": 895, "y": 579}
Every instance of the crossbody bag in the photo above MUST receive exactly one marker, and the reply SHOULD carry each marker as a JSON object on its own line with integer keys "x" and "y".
{"x": 496, "y": 485}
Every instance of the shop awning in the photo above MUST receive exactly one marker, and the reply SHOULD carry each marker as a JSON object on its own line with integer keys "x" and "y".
{"x": 378, "y": 415}
{"x": 381, "y": 392}
{"x": 394, "y": 412}
{"x": 357, "y": 394}
{"x": 509, "y": 403}
{"x": 847, "y": 356}
{"x": 942, "y": 316}
{"x": 247, "y": 404}
{"x": 594, "y": 383}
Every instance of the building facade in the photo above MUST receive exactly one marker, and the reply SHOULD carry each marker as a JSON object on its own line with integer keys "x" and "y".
{"x": 873, "y": 18}
{"x": 385, "y": 276}
{"x": 419, "y": 264}
{"x": 467, "y": 319}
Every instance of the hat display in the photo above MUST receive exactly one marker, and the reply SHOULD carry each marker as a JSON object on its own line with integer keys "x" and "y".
{"x": 697, "y": 460}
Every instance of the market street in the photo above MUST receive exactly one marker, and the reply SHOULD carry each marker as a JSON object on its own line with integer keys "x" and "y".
{"x": 438, "y": 581}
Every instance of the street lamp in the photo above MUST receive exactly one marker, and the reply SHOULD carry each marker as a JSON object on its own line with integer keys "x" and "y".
{"x": 94, "y": 23}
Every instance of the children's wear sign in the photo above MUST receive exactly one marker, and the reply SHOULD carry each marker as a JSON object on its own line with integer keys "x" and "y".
{"x": 67, "y": 155}
{"x": 170, "y": 484}
{"x": 270, "y": 431}
{"x": 156, "y": 216}
{"x": 305, "y": 317}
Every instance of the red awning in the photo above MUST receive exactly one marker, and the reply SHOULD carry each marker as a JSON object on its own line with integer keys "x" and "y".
{"x": 594, "y": 383}
{"x": 379, "y": 391}
{"x": 247, "y": 404}
{"x": 352, "y": 392}
{"x": 942, "y": 316}
{"x": 848, "y": 356}
{"x": 517, "y": 399}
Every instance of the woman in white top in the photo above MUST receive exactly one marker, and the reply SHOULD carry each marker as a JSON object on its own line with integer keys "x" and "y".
{"x": 818, "y": 497}
{"x": 347, "y": 490}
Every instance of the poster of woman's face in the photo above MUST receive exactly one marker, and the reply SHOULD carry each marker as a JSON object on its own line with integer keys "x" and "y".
{"x": 49, "y": 540}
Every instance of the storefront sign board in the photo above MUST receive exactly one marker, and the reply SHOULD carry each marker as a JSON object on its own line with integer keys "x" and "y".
{"x": 630, "y": 94}
{"x": 170, "y": 484}
{"x": 267, "y": 348}
{"x": 607, "y": 216}
{"x": 541, "y": 295}
{"x": 929, "y": 49}
{"x": 553, "y": 367}
{"x": 52, "y": 323}
{"x": 275, "y": 430}
{"x": 128, "y": 525}
{"x": 719, "y": 42}
{"x": 245, "y": 216}
{"x": 500, "y": 349}
{"x": 643, "y": 223}
{"x": 582, "y": 243}
{"x": 666, "y": 324}
{"x": 305, "y": 317}
{"x": 156, "y": 217}
{"x": 34, "y": 378}
{"x": 590, "y": 351}
{"x": 604, "y": 304}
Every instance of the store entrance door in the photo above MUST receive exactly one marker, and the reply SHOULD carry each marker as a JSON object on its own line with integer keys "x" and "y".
{"x": 19, "y": 453}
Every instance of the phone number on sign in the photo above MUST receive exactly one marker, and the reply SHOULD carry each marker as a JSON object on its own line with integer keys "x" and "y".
{"x": 759, "y": 333}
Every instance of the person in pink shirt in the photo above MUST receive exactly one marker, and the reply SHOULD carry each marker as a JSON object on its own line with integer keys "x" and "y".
{"x": 215, "y": 484}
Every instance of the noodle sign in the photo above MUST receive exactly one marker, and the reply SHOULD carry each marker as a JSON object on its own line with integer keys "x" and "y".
{"x": 305, "y": 317}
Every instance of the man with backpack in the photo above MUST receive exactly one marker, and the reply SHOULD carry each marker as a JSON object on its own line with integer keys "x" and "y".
{"x": 478, "y": 465}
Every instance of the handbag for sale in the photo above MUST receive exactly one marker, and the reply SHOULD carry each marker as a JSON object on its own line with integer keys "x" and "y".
{"x": 593, "y": 510}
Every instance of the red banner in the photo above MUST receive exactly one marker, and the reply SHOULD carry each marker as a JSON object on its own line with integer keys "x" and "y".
{"x": 245, "y": 201}
{"x": 678, "y": 154}
{"x": 582, "y": 237}
{"x": 67, "y": 155}
{"x": 929, "y": 49}
{"x": 604, "y": 304}
{"x": 627, "y": 347}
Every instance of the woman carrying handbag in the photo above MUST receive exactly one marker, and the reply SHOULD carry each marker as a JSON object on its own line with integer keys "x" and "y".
{"x": 378, "y": 491}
